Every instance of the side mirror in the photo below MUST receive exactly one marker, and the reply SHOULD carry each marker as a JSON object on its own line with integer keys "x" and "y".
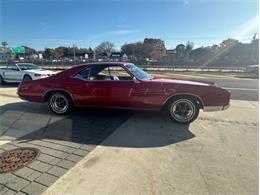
{"x": 136, "y": 80}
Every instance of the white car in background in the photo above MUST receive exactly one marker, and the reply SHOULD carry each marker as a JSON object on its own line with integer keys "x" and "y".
{"x": 252, "y": 69}
{"x": 23, "y": 72}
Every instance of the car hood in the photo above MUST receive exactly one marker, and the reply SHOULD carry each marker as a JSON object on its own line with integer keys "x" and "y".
{"x": 40, "y": 71}
{"x": 185, "y": 82}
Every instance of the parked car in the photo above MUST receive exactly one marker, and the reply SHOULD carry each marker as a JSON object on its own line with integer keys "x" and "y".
{"x": 23, "y": 72}
{"x": 124, "y": 85}
{"x": 252, "y": 69}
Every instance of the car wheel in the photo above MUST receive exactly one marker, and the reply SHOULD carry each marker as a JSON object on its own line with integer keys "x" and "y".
{"x": 183, "y": 110}
{"x": 27, "y": 78}
{"x": 1, "y": 80}
{"x": 60, "y": 103}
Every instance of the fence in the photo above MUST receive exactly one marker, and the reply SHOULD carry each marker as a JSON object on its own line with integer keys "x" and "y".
{"x": 166, "y": 68}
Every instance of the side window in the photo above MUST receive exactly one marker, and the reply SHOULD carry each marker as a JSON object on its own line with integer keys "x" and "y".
{"x": 104, "y": 73}
{"x": 84, "y": 74}
{"x": 13, "y": 67}
{"x": 119, "y": 73}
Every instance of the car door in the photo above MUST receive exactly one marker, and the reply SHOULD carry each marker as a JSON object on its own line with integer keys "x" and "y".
{"x": 100, "y": 87}
{"x": 13, "y": 74}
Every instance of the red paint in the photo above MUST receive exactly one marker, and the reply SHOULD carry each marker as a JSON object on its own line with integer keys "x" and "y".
{"x": 146, "y": 94}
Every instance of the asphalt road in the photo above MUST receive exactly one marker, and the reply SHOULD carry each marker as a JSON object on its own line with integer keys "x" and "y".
{"x": 241, "y": 88}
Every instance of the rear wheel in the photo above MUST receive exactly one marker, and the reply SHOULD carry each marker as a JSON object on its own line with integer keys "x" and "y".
{"x": 27, "y": 78}
{"x": 60, "y": 103}
{"x": 183, "y": 110}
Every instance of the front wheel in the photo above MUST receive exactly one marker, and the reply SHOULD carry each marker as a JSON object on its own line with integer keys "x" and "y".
{"x": 1, "y": 80}
{"x": 183, "y": 110}
{"x": 60, "y": 103}
{"x": 27, "y": 78}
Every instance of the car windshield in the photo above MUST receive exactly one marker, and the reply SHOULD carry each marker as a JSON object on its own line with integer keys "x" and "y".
{"x": 138, "y": 72}
{"x": 28, "y": 66}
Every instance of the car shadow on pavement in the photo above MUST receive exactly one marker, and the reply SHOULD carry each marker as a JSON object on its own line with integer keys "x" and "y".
{"x": 64, "y": 140}
{"x": 9, "y": 85}
{"x": 91, "y": 126}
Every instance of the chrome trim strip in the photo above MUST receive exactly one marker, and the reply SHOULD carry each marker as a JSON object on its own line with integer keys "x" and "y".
{"x": 74, "y": 75}
{"x": 118, "y": 107}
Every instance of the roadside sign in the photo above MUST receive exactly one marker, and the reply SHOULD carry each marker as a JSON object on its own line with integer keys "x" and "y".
{"x": 18, "y": 49}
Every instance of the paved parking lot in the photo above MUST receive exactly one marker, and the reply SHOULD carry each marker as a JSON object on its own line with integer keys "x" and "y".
{"x": 115, "y": 151}
{"x": 62, "y": 140}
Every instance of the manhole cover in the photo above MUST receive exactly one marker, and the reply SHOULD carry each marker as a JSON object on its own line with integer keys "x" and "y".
{"x": 17, "y": 158}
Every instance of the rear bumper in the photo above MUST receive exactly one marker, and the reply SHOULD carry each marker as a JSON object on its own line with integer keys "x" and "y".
{"x": 215, "y": 108}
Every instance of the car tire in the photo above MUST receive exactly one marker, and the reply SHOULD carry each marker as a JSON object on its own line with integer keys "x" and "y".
{"x": 60, "y": 103}
{"x": 183, "y": 110}
{"x": 27, "y": 78}
{"x": 1, "y": 80}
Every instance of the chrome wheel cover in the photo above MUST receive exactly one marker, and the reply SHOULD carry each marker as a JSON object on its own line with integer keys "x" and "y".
{"x": 183, "y": 110}
{"x": 59, "y": 103}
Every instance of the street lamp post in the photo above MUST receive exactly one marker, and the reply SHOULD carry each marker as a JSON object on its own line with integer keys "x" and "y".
{"x": 74, "y": 54}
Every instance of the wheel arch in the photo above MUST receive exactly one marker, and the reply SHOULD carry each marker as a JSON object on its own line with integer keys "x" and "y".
{"x": 198, "y": 99}
{"x": 48, "y": 93}
{"x": 26, "y": 74}
{"x": 3, "y": 80}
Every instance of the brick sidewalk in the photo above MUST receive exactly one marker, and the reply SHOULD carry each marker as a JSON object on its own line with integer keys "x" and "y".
{"x": 61, "y": 146}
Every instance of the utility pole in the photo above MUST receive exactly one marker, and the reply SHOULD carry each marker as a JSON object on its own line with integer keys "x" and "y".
{"x": 253, "y": 49}
{"x": 74, "y": 54}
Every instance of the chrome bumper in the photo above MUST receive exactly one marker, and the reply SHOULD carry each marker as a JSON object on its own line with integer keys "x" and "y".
{"x": 215, "y": 108}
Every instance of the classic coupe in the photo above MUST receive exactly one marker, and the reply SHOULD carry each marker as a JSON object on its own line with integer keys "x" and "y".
{"x": 124, "y": 85}
{"x": 22, "y": 72}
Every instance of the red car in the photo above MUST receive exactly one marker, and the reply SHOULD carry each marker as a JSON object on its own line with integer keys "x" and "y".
{"x": 124, "y": 85}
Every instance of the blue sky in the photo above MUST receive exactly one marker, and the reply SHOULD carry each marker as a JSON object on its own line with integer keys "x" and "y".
{"x": 86, "y": 23}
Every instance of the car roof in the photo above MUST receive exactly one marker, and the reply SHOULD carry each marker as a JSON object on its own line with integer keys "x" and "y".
{"x": 106, "y": 63}
{"x": 75, "y": 69}
{"x": 24, "y": 63}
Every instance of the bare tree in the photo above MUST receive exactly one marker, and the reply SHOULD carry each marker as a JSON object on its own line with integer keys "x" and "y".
{"x": 105, "y": 47}
{"x": 154, "y": 48}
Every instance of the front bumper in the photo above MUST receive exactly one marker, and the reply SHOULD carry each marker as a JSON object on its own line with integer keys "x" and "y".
{"x": 215, "y": 108}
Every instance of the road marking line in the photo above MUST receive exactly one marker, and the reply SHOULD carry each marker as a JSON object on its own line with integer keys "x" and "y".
{"x": 248, "y": 89}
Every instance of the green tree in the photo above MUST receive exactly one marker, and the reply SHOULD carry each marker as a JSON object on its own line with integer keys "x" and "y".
{"x": 48, "y": 53}
{"x": 180, "y": 51}
{"x": 188, "y": 49}
{"x": 4, "y": 43}
{"x": 134, "y": 51}
{"x": 228, "y": 43}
